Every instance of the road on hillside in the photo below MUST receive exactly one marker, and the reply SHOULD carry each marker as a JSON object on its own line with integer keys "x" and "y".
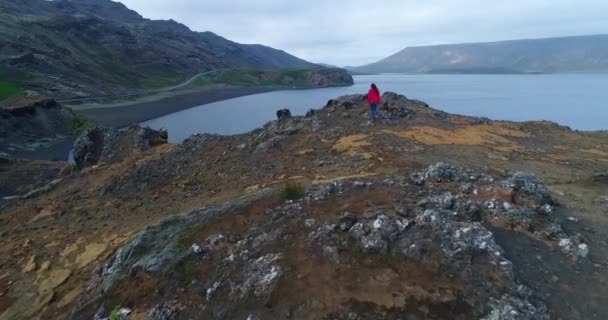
{"x": 177, "y": 87}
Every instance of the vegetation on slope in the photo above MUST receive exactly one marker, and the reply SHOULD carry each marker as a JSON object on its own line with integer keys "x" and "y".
{"x": 91, "y": 48}
{"x": 8, "y": 89}
{"x": 293, "y": 78}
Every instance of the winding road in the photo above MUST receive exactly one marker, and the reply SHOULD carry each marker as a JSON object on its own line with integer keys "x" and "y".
{"x": 177, "y": 87}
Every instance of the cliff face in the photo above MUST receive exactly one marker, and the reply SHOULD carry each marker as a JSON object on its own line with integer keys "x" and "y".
{"x": 554, "y": 55}
{"x": 82, "y": 48}
{"x": 329, "y": 77}
{"x": 27, "y": 124}
{"x": 425, "y": 213}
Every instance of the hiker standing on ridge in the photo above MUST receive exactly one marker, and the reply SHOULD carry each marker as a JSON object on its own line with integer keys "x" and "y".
{"x": 373, "y": 99}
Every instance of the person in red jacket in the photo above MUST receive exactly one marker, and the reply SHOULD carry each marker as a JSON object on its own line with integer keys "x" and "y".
{"x": 373, "y": 99}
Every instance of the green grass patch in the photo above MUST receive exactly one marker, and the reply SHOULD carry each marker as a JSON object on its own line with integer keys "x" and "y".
{"x": 78, "y": 124}
{"x": 294, "y": 191}
{"x": 8, "y": 89}
{"x": 292, "y": 78}
{"x": 115, "y": 313}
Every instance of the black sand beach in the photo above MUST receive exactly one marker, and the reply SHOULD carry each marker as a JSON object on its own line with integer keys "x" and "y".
{"x": 120, "y": 117}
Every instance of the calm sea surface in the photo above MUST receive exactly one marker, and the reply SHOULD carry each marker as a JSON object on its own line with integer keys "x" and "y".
{"x": 578, "y": 101}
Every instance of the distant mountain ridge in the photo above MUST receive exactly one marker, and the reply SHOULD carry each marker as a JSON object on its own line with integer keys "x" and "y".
{"x": 90, "y": 47}
{"x": 550, "y": 55}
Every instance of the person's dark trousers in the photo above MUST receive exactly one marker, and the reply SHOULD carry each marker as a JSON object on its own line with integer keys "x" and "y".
{"x": 373, "y": 111}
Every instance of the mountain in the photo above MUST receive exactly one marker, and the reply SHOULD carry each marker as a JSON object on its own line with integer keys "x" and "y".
{"x": 551, "y": 55}
{"x": 70, "y": 48}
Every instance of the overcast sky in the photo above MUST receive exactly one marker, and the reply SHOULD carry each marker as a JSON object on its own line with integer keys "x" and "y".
{"x": 355, "y": 32}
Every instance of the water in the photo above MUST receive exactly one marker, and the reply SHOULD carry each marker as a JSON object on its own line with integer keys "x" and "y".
{"x": 579, "y": 101}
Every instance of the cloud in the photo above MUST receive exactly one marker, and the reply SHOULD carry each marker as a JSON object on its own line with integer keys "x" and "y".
{"x": 355, "y": 32}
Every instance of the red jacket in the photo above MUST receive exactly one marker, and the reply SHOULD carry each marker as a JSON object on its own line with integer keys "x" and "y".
{"x": 372, "y": 96}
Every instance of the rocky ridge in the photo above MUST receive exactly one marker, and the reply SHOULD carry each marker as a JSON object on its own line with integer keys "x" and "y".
{"x": 425, "y": 214}
{"x": 418, "y": 225}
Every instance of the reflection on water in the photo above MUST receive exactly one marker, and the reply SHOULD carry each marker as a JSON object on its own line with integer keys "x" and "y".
{"x": 579, "y": 101}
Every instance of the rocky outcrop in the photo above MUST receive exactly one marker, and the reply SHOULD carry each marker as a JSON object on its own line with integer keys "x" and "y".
{"x": 30, "y": 123}
{"x": 329, "y": 77}
{"x": 103, "y": 144}
{"x": 445, "y": 232}
{"x": 283, "y": 114}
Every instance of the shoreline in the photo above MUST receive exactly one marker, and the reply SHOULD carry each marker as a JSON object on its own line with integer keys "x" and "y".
{"x": 124, "y": 116}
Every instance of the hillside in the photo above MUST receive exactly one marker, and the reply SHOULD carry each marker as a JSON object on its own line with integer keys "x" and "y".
{"x": 69, "y": 48}
{"x": 423, "y": 215}
{"x": 286, "y": 78}
{"x": 552, "y": 55}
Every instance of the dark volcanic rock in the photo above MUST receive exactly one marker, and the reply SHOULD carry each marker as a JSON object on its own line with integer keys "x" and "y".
{"x": 103, "y": 144}
{"x": 283, "y": 114}
{"x": 94, "y": 145}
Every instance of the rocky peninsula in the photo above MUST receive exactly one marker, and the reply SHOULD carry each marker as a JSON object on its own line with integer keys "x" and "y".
{"x": 424, "y": 215}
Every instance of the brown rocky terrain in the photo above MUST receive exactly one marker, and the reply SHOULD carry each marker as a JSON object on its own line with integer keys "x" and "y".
{"x": 423, "y": 215}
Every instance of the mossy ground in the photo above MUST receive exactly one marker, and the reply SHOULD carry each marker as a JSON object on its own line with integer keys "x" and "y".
{"x": 8, "y": 89}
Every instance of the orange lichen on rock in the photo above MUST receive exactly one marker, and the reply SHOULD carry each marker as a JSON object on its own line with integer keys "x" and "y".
{"x": 485, "y": 134}
{"x": 351, "y": 143}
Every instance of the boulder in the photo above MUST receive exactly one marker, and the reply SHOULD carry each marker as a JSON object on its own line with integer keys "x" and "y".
{"x": 440, "y": 172}
{"x": 161, "y": 312}
{"x": 93, "y": 145}
{"x": 283, "y": 114}
{"x": 145, "y": 138}
{"x": 104, "y": 144}
{"x": 527, "y": 185}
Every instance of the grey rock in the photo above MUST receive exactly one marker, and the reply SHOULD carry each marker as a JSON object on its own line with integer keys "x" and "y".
{"x": 358, "y": 230}
{"x": 323, "y": 191}
{"x": 309, "y": 223}
{"x": 528, "y": 184}
{"x": 383, "y": 225}
{"x": 215, "y": 239}
{"x": 512, "y": 213}
{"x": 196, "y": 248}
{"x": 144, "y": 138}
{"x": 155, "y": 249}
{"x": 259, "y": 277}
{"x": 346, "y": 222}
{"x": 269, "y": 145}
{"x": 331, "y": 252}
{"x": 93, "y": 145}
{"x": 374, "y": 243}
{"x": 521, "y": 306}
{"x": 444, "y": 201}
{"x": 161, "y": 312}
{"x": 104, "y": 144}
{"x": 440, "y": 172}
